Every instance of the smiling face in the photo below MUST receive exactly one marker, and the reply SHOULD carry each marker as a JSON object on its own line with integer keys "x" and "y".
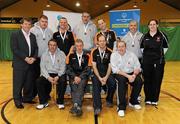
{"x": 26, "y": 26}
{"x": 102, "y": 42}
{"x": 153, "y": 26}
{"x": 133, "y": 27}
{"x": 63, "y": 23}
{"x": 101, "y": 24}
{"x": 121, "y": 47}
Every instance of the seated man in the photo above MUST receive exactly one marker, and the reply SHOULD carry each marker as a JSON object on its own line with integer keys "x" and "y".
{"x": 53, "y": 64}
{"x": 102, "y": 74}
{"x": 126, "y": 67}
{"x": 78, "y": 72}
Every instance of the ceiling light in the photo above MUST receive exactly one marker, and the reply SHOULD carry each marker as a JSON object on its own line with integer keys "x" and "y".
{"x": 135, "y": 5}
{"x": 77, "y": 4}
{"x": 48, "y": 5}
{"x": 106, "y": 6}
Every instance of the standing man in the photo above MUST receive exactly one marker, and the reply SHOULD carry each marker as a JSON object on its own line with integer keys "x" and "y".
{"x": 65, "y": 42}
{"x": 109, "y": 34}
{"x": 133, "y": 39}
{"x": 102, "y": 74}
{"x": 126, "y": 67}
{"x": 64, "y": 37}
{"x": 43, "y": 35}
{"x": 53, "y": 64}
{"x": 25, "y": 51}
{"x": 78, "y": 71}
{"x": 86, "y": 31}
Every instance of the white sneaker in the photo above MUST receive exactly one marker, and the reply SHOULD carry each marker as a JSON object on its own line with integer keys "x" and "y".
{"x": 61, "y": 106}
{"x": 154, "y": 103}
{"x": 136, "y": 106}
{"x": 121, "y": 113}
{"x": 148, "y": 102}
{"x": 41, "y": 106}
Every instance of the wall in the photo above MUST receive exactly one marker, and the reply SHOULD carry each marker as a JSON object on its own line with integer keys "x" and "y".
{"x": 150, "y": 9}
{"x": 28, "y": 8}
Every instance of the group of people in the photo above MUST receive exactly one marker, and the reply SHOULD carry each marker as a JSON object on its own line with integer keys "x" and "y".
{"x": 42, "y": 59}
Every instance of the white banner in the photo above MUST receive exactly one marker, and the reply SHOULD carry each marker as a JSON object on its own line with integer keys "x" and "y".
{"x": 54, "y": 16}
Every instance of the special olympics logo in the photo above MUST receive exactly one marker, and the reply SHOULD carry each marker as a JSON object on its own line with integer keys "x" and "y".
{"x": 59, "y": 17}
{"x": 124, "y": 15}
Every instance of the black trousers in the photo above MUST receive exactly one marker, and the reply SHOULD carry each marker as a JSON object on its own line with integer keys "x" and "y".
{"x": 22, "y": 83}
{"x": 111, "y": 86}
{"x": 153, "y": 75}
{"x": 77, "y": 91}
{"x": 122, "y": 89}
{"x": 43, "y": 86}
{"x": 36, "y": 75}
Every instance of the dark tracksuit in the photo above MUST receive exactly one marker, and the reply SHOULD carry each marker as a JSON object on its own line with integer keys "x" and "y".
{"x": 102, "y": 67}
{"x": 82, "y": 71}
{"x": 153, "y": 64}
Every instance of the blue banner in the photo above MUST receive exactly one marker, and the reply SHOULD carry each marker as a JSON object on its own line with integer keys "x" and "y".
{"x": 119, "y": 20}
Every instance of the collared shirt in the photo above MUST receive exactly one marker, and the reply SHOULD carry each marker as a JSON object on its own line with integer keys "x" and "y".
{"x": 26, "y": 35}
{"x": 79, "y": 58}
{"x": 53, "y": 63}
{"x": 102, "y": 61}
{"x": 126, "y": 63}
{"x": 88, "y": 36}
{"x": 133, "y": 43}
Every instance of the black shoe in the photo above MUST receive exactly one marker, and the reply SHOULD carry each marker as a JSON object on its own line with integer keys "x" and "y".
{"x": 79, "y": 111}
{"x": 30, "y": 102}
{"x": 109, "y": 104}
{"x": 19, "y": 106}
{"x": 73, "y": 110}
{"x": 97, "y": 111}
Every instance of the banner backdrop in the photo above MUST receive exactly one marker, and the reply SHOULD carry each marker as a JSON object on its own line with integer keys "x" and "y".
{"x": 119, "y": 20}
{"x": 54, "y": 16}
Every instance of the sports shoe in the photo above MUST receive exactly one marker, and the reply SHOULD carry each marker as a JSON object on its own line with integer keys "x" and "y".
{"x": 61, "y": 106}
{"x": 154, "y": 103}
{"x": 41, "y": 106}
{"x": 79, "y": 111}
{"x": 136, "y": 106}
{"x": 121, "y": 113}
{"x": 73, "y": 110}
{"x": 97, "y": 111}
{"x": 148, "y": 102}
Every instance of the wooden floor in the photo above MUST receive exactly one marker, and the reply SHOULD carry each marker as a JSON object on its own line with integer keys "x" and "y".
{"x": 167, "y": 112}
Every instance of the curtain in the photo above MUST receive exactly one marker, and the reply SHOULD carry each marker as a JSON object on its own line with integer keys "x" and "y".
{"x": 5, "y": 50}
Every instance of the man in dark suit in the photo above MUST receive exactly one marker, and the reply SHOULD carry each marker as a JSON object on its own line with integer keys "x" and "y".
{"x": 25, "y": 51}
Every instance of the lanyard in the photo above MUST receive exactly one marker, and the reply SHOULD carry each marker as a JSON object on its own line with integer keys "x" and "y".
{"x": 102, "y": 53}
{"x": 79, "y": 58}
{"x": 106, "y": 34}
{"x": 85, "y": 28}
{"x": 63, "y": 37}
{"x": 133, "y": 38}
{"x": 43, "y": 33}
{"x": 52, "y": 58}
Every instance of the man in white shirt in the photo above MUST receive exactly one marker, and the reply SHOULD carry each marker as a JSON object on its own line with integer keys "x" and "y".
{"x": 126, "y": 67}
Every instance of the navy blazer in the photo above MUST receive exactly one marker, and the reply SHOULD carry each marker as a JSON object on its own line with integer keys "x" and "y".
{"x": 20, "y": 49}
